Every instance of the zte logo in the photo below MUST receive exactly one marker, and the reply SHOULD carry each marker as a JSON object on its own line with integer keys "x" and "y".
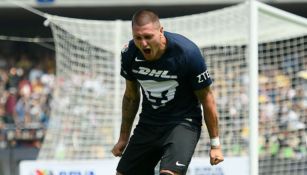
{"x": 154, "y": 73}
{"x": 203, "y": 76}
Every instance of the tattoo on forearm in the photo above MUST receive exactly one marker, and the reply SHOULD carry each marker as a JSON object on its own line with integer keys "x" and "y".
{"x": 129, "y": 110}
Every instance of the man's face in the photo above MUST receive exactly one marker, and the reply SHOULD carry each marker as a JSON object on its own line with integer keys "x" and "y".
{"x": 148, "y": 39}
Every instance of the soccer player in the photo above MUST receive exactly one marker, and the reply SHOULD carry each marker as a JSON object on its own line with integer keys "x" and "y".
{"x": 174, "y": 81}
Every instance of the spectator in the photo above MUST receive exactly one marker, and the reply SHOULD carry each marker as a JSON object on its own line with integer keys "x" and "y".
{"x": 35, "y": 73}
{"x": 10, "y": 105}
{"x": 13, "y": 79}
{"x": 22, "y": 110}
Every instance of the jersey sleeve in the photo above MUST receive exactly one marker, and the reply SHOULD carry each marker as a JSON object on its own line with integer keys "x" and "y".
{"x": 198, "y": 73}
{"x": 126, "y": 62}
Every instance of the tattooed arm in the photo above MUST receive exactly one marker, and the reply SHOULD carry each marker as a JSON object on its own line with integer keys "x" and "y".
{"x": 130, "y": 107}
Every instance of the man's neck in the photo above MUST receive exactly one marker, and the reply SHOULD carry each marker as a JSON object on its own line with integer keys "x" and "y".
{"x": 163, "y": 46}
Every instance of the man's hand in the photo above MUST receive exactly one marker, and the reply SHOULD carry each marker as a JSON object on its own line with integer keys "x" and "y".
{"x": 118, "y": 148}
{"x": 216, "y": 155}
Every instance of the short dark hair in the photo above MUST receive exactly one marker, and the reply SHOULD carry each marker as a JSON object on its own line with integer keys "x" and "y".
{"x": 145, "y": 16}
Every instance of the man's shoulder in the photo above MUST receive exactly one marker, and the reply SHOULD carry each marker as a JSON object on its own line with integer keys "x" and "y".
{"x": 128, "y": 49}
{"x": 128, "y": 54}
{"x": 182, "y": 42}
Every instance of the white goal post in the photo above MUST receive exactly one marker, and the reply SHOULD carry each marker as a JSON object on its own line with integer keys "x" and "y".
{"x": 261, "y": 97}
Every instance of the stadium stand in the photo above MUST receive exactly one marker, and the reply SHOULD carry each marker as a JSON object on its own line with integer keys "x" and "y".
{"x": 26, "y": 87}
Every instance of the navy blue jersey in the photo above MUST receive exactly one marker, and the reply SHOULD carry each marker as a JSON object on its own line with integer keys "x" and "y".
{"x": 168, "y": 84}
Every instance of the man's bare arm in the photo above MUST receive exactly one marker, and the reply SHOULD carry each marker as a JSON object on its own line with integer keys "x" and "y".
{"x": 130, "y": 105}
{"x": 131, "y": 101}
{"x": 206, "y": 97}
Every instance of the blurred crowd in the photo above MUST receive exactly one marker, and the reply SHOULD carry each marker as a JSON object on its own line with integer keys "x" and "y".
{"x": 26, "y": 83}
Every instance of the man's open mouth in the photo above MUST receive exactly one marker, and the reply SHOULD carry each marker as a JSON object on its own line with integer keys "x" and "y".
{"x": 147, "y": 51}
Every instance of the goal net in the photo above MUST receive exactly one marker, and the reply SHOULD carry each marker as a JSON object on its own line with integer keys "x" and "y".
{"x": 86, "y": 107}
